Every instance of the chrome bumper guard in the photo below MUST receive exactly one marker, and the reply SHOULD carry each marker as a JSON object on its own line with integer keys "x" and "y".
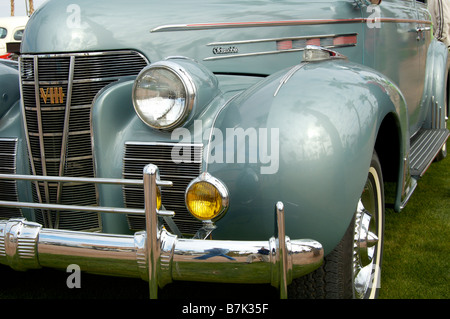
{"x": 156, "y": 256}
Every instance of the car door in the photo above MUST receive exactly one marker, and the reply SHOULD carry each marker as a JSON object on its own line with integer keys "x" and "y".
{"x": 424, "y": 36}
{"x": 392, "y": 46}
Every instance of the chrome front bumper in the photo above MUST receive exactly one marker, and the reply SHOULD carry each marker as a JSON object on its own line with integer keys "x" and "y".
{"x": 156, "y": 255}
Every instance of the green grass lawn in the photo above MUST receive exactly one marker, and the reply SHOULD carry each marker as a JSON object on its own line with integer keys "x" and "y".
{"x": 417, "y": 241}
{"x": 415, "y": 264}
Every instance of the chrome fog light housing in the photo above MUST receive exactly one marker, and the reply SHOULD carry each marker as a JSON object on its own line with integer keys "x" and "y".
{"x": 164, "y": 95}
{"x": 207, "y": 197}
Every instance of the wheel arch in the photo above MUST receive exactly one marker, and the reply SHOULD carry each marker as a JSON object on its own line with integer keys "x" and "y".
{"x": 388, "y": 148}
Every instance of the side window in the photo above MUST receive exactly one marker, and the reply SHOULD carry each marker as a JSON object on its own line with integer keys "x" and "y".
{"x": 18, "y": 35}
{"x": 3, "y": 33}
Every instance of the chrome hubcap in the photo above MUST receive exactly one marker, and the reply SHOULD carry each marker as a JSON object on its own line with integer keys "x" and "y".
{"x": 366, "y": 240}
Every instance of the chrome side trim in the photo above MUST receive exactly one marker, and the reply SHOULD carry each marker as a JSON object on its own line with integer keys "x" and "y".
{"x": 288, "y": 75}
{"x": 228, "y": 25}
{"x": 241, "y": 55}
{"x": 259, "y": 24}
{"x": 278, "y": 51}
{"x": 280, "y": 39}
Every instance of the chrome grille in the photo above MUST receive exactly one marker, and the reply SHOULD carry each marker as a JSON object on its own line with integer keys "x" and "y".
{"x": 57, "y": 92}
{"x": 137, "y": 155}
{"x": 8, "y": 188}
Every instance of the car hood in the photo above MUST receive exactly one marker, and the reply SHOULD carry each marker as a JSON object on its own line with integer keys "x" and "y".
{"x": 227, "y": 36}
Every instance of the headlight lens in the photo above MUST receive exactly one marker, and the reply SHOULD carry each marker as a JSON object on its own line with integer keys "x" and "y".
{"x": 207, "y": 197}
{"x": 163, "y": 95}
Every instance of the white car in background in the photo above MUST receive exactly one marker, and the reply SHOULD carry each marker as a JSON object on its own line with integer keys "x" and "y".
{"x": 11, "y": 31}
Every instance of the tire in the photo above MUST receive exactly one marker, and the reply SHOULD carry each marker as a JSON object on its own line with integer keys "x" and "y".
{"x": 353, "y": 268}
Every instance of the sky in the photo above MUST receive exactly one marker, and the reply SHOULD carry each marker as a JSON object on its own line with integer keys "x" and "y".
{"x": 20, "y": 8}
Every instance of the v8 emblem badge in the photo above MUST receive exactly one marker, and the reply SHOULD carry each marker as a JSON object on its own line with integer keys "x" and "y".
{"x": 54, "y": 95}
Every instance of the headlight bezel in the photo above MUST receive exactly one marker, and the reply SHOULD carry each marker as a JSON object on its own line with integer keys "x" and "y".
{"x": 189, "y": 88}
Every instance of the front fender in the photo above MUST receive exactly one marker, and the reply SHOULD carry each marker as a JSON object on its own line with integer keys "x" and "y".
{"x": 321, "y": 121}
{"x": 9, "y": 86}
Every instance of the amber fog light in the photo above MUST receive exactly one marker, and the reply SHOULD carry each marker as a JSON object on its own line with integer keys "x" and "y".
{"x": 158, "y": 198}
{"x": 207, "y": 197}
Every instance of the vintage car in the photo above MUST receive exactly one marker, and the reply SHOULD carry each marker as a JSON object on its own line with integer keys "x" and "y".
{"x": 220, "y": 141}
{"x": 11, "y": 33}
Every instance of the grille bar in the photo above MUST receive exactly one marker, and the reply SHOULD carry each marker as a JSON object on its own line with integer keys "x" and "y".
{"x": 8, "y": 187}
{"x": 57, "y": 93}
{"x": 137, "y": 155}
{"x": 65, "y": 136}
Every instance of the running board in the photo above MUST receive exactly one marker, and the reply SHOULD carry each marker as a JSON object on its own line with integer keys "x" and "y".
{"x": 425, "y": 145}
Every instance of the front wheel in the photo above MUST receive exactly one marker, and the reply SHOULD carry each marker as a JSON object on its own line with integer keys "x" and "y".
{"x": 353, "y": 268}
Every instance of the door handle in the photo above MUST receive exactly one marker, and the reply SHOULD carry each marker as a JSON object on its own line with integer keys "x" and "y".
{"x": 422, "y": 29}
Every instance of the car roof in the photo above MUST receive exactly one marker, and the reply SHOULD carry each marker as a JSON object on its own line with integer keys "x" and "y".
{"x": 13, "y": 22}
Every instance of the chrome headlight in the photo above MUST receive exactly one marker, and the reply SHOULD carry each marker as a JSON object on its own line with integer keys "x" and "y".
{"x": 164, "y": 95}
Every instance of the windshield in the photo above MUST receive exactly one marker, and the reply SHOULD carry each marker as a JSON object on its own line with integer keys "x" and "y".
{"x": 3, "y": 33}
{"x": 18, "y": 35}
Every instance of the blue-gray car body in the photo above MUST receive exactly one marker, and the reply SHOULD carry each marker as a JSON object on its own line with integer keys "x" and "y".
{"x": 376, "y": 84}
